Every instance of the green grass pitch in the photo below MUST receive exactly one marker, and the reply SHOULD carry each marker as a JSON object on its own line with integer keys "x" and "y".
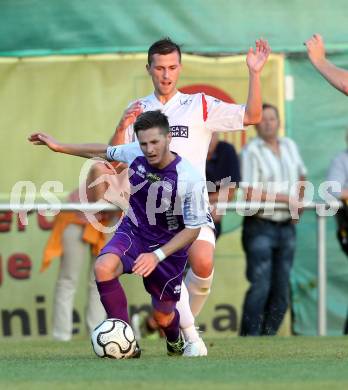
{"x": 233, "y": 363}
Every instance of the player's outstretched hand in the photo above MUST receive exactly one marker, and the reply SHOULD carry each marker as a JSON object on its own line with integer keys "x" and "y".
{"x": 315, "y": 48}
{"x": 44, "y": 139}
{"x": 130, "y": 115}
{"x": 145, "y": 264}
{"x": 256, "y": 59}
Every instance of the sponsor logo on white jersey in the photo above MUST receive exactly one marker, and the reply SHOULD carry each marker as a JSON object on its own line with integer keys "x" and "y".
{"x": 186, "y": 100}
{"x": 179, "y": 131}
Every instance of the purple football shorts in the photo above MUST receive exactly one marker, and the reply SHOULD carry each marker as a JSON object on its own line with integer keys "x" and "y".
{"x": 164, "y": 283}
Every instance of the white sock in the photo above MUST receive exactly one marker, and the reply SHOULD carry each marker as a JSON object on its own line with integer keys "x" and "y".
{"x": 187, "y": 321}
{"x": 190, "y": 334}
{"x": 199, "y": 289}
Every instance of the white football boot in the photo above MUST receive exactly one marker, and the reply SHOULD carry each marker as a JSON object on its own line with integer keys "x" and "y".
{"x": 195, "y": 349}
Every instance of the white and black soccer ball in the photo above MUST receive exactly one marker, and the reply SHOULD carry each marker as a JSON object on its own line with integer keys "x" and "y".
{"x": 113, "y": 338}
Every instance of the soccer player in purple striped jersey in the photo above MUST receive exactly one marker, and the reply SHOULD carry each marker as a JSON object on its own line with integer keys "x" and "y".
{"x": 166, "y": 211}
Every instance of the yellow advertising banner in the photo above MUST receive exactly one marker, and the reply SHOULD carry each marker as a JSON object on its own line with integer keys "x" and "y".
{"x": 80, "y": 99}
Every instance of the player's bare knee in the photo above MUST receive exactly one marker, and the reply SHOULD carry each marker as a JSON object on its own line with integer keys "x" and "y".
{"x": 202, "y": 266}
{"x": 101, "y": 270}
{"x": 201, "y": 258}
{"x": 106, "y": 268}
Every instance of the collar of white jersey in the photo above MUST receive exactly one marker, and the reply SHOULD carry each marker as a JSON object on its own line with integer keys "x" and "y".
{"x": 169, "y": 102}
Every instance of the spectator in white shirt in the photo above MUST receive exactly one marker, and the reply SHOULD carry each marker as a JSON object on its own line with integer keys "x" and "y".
{"x": 272, "y": 169}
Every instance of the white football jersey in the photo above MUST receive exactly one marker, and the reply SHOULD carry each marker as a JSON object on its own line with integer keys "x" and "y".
{"x": 192, "y": 119}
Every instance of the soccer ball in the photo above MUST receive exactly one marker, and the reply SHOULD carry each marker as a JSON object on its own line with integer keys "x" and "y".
{"x": 113, "y": 338}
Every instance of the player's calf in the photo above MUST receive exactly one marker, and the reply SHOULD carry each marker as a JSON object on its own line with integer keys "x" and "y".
{"x": 169, "y": 323}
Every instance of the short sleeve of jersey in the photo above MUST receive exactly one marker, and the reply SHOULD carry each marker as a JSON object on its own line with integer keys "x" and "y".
{"x": 191, "y": 188}
{"x": 124, "y": 153}
{"x": 221, "y": 116}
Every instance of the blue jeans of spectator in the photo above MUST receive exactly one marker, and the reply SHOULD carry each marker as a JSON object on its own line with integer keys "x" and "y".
{"x": 269, "y": 248}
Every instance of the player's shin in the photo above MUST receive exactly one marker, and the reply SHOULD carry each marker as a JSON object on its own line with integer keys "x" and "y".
{"x": 114, "y": 299}
{"x": 195, "y": 346}
{"x": 187, "y": 321}
{"x": 172, "y": 331}
{"x": 199, "y": 290}
{"x": 174, "y": 340}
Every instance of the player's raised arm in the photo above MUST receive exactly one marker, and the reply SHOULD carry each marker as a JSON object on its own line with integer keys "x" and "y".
{"x": 81, "y": 150}
{"x": 337, "y": 77}
{"x": 256, "y": 60}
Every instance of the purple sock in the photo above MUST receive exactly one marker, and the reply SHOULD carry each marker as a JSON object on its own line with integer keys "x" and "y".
{"x": 114, "y": 299}
{"x": 172, "y": 331}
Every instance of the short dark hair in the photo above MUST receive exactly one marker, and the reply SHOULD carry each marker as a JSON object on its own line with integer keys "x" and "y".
{"x": 149, "y": 119}
{"x": 268, "y": 105}
{"x": 163, "y": 46}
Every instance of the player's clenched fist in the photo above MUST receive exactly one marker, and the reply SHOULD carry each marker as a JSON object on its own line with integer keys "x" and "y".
{"x": 145, "y": 264}
{"x": 44, "y": 139}
{"x": 130, "y": 115}
{"x": 315, "y": 48}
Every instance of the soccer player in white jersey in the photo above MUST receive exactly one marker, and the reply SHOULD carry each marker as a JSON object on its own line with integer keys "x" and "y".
{"x": 192, "y": 119}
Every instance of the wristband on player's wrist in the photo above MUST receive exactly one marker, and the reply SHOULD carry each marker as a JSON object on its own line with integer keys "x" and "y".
{"x": 159, "y": 254}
